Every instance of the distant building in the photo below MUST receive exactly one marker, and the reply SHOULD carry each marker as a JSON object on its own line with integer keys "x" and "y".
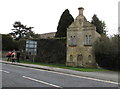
{"x": 81, "y": 35}
{"x": 47, "y": 35}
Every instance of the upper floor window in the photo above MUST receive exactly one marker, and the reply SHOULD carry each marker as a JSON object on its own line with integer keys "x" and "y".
{"x": 88, "y": 40}
{"x": 73, "y": 41}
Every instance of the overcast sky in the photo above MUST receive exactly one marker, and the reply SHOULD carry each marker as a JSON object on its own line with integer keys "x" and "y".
{"x": 119, "y": 14}
{"x": 44, "y": 15}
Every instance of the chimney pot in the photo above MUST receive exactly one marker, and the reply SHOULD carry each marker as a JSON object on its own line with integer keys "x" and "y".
{"x": 80, "y": 10}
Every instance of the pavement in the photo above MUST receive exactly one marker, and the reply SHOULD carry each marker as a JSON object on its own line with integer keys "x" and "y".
{"x": 104, "y": 75}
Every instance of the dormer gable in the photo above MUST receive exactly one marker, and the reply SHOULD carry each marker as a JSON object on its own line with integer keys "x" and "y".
{"x": 81, "y": 21}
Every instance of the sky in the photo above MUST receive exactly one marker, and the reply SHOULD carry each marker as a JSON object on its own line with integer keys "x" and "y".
{"x": 119, "y": 17}
{"x": 44, "y": 15}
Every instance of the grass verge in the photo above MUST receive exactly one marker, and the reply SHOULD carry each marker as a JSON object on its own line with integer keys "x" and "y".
{"x": 66, "y": 67}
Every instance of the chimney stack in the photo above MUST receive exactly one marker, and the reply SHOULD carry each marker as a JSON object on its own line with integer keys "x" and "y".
{"x": 80, "y": 10}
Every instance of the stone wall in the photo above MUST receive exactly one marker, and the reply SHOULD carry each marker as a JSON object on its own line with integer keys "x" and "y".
{"x": 47, "y": 35}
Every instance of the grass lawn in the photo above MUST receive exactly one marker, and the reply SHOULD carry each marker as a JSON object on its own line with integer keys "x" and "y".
{"x": 66, "y": 67}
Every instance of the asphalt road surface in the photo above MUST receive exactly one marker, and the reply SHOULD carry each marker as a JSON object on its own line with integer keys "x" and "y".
{"x": 18, "y": 76}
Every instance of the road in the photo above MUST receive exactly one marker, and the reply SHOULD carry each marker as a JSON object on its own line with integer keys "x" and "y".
{"x": 18, "y": 76}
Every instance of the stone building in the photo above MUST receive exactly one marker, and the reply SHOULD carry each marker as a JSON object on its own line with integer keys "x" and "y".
{"x": 47, "y": 35}
{"x": 81, "y": 35}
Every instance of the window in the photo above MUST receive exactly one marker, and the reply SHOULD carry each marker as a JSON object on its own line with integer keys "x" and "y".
{"x": 80, "y": 57}
{"x": 89, "y": 57}
{"x": 73, "y": 41}
{"x": 88, "y": 40}
{"x": 80, "y": 60}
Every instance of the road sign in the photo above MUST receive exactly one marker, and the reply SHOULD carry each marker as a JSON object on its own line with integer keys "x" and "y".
{"x": 31, "y": 47}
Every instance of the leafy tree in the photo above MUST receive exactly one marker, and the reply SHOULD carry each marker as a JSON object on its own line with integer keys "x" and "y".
{"x": 21, "y": 31}
{"x": 65, "y": 20}
{"x": 100, "y": 25}
{"x": 8, "y": 43}
{"x": 107, "y": 52}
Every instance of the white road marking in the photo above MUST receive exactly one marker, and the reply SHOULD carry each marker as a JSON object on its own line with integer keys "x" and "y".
{"x": 89, "y": 78}
{"x": 41, "y": 82}
{"x": 5, "y": 71}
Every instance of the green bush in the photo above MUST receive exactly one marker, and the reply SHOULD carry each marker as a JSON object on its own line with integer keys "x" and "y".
{"x": 8, "y": 43}
{"x": 51, "y": 51}
{"x": 48, "y": 50}
{"x": 107, "y": 53}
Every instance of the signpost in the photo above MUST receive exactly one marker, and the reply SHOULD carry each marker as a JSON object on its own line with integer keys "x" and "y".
{"x": 31, "y": 48}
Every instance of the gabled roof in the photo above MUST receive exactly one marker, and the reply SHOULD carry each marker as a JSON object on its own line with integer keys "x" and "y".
{"x": 81, "y": 22}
